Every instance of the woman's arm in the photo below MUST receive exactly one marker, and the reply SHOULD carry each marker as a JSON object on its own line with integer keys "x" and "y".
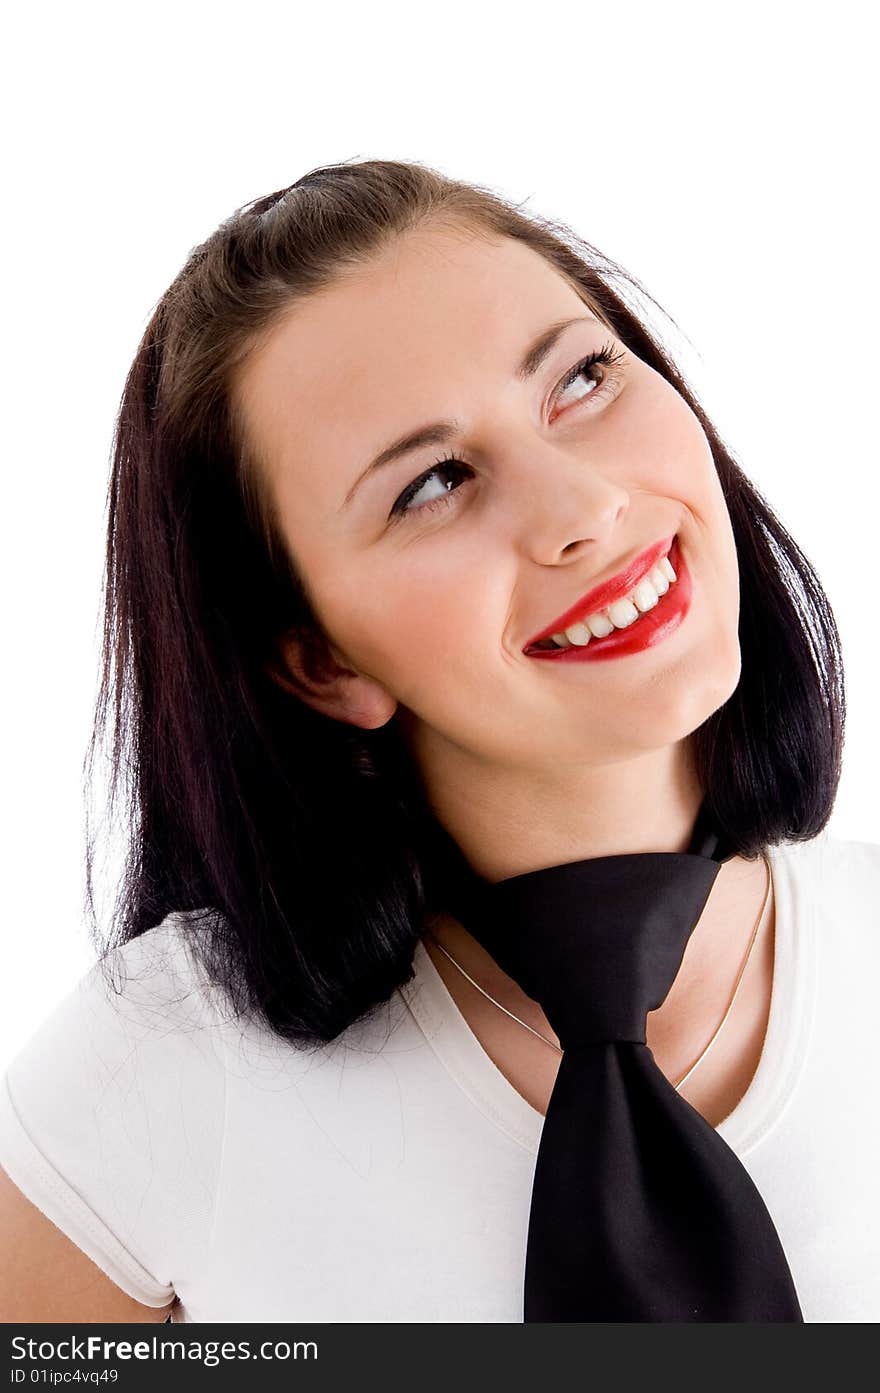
{"x": 45, "y": 1277}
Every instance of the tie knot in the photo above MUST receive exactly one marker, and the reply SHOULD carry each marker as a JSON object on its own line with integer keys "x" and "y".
{"x": 597, "y": 943}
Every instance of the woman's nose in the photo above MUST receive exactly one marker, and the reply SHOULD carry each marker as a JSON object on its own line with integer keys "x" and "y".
{"x": 564, "y": 505}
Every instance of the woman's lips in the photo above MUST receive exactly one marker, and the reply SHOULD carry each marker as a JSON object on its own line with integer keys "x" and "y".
{"x": 605, "y": 594}
{"x": 646, "y": 631}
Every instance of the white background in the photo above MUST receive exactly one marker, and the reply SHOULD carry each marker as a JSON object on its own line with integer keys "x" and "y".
{"x": 725, "y": 154}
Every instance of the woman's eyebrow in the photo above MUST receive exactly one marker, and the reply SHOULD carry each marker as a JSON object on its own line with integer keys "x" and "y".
{"x": 439, "y": 432}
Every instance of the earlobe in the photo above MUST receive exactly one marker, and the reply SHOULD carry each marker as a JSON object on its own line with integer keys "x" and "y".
{"x": 334, "y": 690}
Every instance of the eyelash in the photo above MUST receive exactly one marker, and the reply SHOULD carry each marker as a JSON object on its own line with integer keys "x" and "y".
{"x": 607, "y": 357}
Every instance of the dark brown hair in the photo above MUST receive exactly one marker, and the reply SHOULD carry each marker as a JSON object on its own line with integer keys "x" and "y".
{"x": 300, "y": 847}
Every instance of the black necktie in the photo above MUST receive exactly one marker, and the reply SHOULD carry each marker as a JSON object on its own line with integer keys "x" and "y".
{"x": 640, "y": 1211}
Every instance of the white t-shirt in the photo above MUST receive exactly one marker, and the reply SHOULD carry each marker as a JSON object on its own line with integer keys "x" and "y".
{"x": 387, "y": 1176}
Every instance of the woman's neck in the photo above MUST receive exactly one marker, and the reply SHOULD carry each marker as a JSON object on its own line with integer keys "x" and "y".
{"x": 676, "y": 1032}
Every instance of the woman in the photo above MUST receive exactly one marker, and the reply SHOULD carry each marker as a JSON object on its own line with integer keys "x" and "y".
{"x": 383, "y": 446}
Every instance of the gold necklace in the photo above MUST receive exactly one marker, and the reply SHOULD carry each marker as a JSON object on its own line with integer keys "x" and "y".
{"x": 558, "y": 1048}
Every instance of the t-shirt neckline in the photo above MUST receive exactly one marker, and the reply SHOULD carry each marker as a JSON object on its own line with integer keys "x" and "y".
{"x": 782, "y": 1057}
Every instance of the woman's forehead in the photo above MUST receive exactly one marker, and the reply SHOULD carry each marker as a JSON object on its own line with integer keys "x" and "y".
{"x": 360, "y": 361}
{"x": 467, "y": 294}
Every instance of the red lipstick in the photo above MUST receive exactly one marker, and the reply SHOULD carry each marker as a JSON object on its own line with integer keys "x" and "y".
{"x": 604, "y": 594}
{"x": 649, "y": 629}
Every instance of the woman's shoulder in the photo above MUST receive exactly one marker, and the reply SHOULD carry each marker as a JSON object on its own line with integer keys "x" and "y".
{"x": 149, "y": 1011}
{"x": 836, "y": 876}
{"x": 149, "y": 986}
{"x": 158, "y": 979}
{"x": 142, "y": 1017}
{"x": 828, "y": 853}
{"x": 111, "y": 1112}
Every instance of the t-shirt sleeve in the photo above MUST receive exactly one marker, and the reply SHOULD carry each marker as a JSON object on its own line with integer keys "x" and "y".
{"x": 111, "y": 1114}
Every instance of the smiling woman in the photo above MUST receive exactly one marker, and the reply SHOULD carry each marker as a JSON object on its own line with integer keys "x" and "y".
{"x": 342, "y": 754}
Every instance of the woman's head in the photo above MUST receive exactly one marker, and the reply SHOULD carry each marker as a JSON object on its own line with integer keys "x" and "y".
{"x": 543, "y": 492}
{"x": 297, "y": 632}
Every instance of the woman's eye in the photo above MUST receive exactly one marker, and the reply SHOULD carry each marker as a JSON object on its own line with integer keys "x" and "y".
{"x": 601, "y": 365}
{"x": 449, "y": 465}
{"x": 585, "y": 375}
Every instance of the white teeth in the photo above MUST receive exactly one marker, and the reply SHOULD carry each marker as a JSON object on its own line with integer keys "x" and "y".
{"x": 622, "y": 613}
{"x": 659, "y": 579}
{"x": 579, "y": 635}
{"x": 644, "y": 597}
{"x": 599, "y": 625}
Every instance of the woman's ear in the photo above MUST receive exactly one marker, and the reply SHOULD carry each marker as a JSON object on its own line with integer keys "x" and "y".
{"x": 328, "y": 685}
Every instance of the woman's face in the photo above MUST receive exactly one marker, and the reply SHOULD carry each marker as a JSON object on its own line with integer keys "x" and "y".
{"x": 429, "y": 608}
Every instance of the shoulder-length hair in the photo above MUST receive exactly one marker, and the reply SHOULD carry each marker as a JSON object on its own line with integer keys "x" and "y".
{"x": 300, "y": 850}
